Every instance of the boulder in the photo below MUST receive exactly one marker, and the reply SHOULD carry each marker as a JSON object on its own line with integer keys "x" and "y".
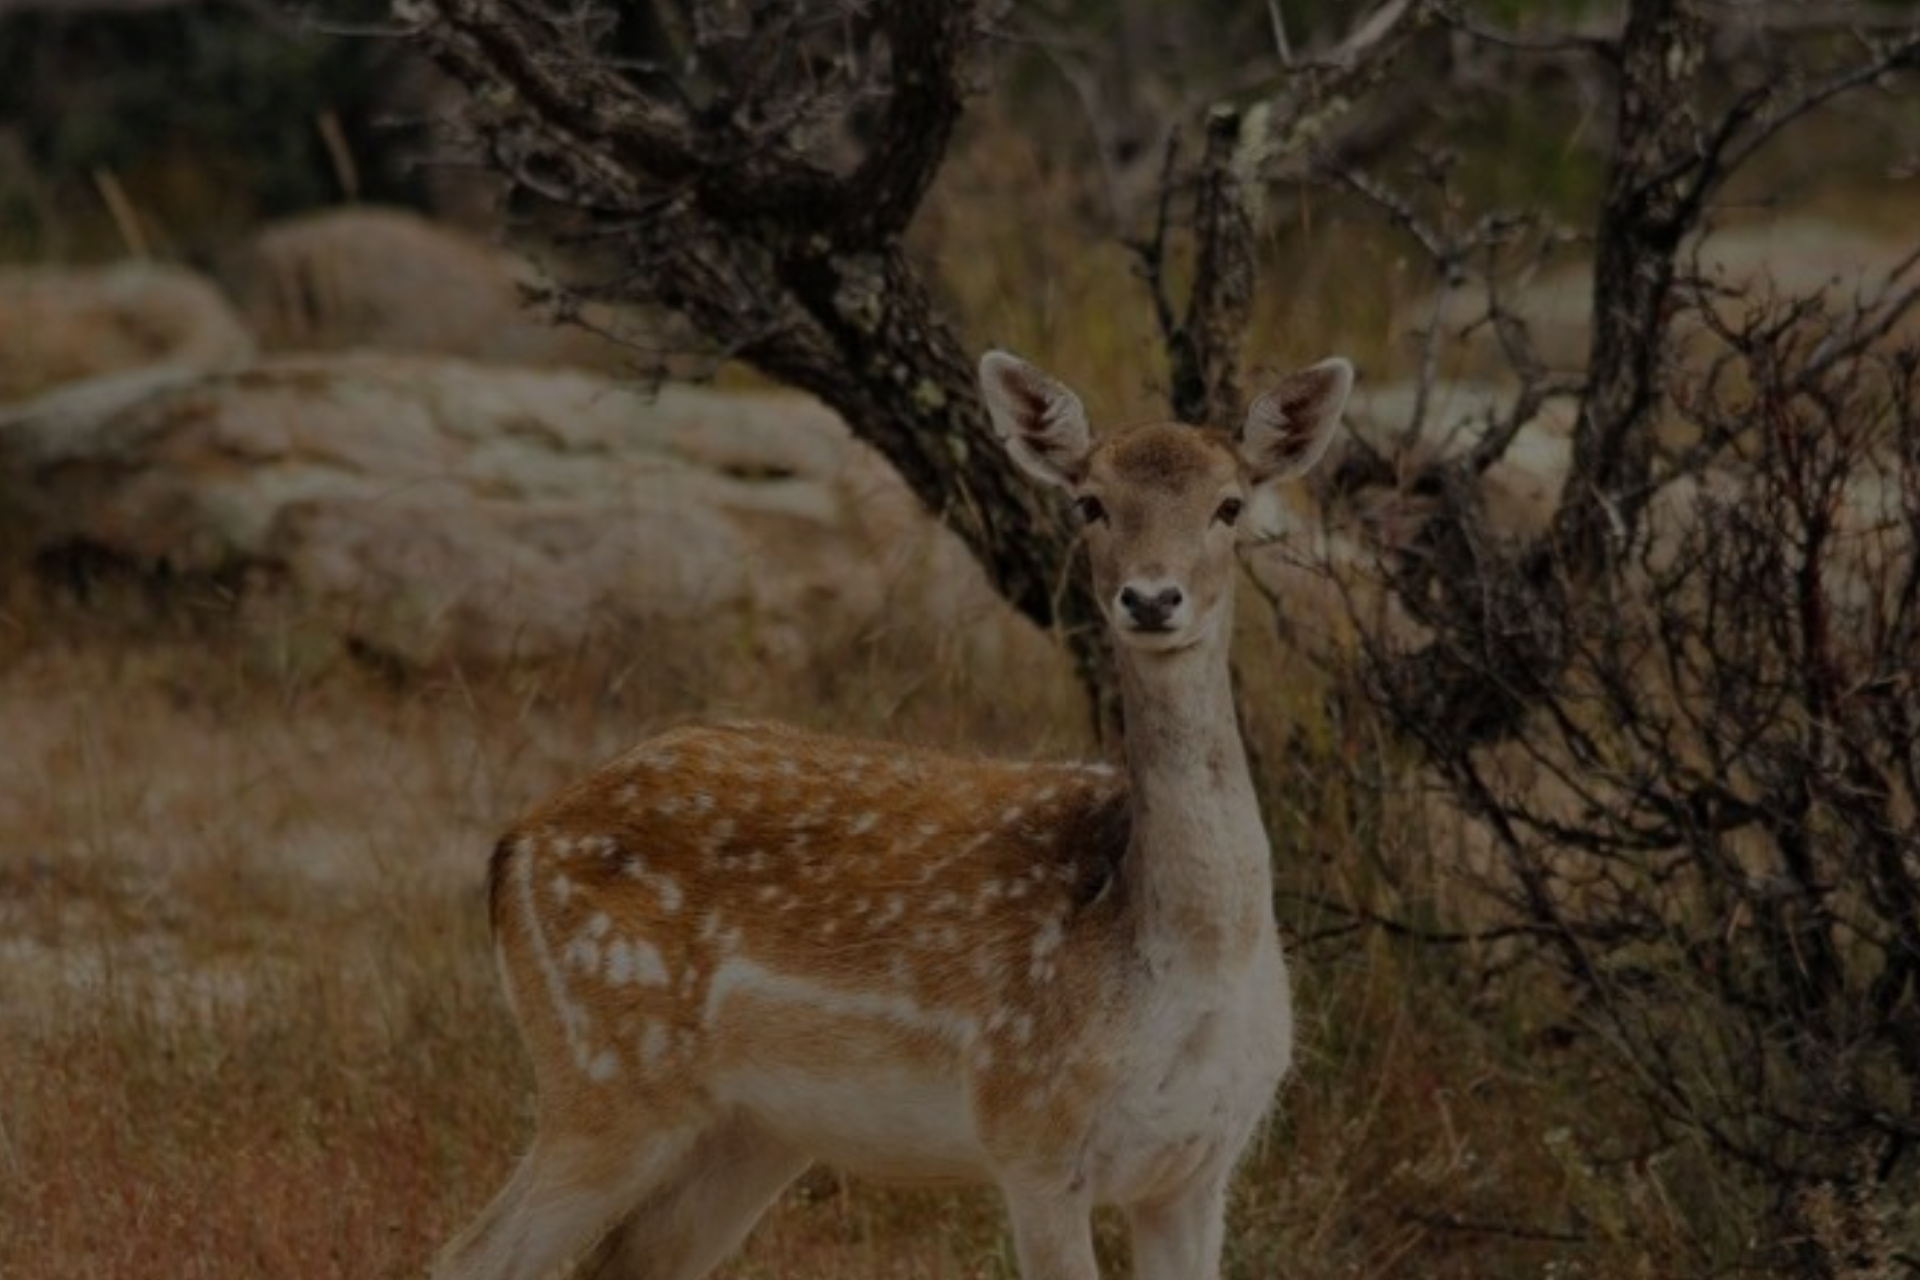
{"x": 1747, "y": 262}
{"x": 1326, "y": 573}
{"x": 61, "y": 324}
{"x": 422, "y": 511}
{"x": 366, "y": 276}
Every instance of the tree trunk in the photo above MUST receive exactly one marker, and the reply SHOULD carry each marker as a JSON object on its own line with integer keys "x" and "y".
{"x": 758, "y": 184}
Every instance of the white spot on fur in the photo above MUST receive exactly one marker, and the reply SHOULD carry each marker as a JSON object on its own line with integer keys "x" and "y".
{"x": 619, "y": 962}
{"x": 653, "y": 1044}
{"x": 670, "y": 895}
{"x": 863, "y": 823}
{"x": 574, "y": 1024}
{"x": 648, "y": 968}
{"x": 583, "y": 953}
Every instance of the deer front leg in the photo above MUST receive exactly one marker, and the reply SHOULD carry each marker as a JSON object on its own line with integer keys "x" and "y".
{"x": 1052, "y": 1234}
{"x": 1180, "y": 1237}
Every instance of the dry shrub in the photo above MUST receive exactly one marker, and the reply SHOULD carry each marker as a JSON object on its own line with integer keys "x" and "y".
{"x": 1704, "y": 831}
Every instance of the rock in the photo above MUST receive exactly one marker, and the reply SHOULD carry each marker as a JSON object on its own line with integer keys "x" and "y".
{"x": 363, "y": 276}
{"x": 1518, "y": 493}
{"x": 1786, "y": 257}
{"x": 1340, "y": 530}
{"x": 61, "y": 324}
{"x": 423, "y": 511}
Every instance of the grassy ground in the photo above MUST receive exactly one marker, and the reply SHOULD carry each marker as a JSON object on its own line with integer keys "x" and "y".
{"x": 249, "y": 1023}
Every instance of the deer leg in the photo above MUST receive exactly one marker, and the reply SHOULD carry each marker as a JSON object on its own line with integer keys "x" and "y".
{"x": 1180, "y": 1237}
{"x": 1053, "y": 1236}
{"x": 561, "y": 1198}
{"x": 699, "y": 1213}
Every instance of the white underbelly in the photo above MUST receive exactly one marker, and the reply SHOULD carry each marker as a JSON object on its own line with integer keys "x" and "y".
{"x": 868, "y": 1081}
{"x": 904, "y": 1127}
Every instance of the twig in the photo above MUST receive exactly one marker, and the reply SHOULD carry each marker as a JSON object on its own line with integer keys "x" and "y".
{"x": 1507, "y": 1230}
{"x": 125, "y": 218}
{"x": 339, "y": 154}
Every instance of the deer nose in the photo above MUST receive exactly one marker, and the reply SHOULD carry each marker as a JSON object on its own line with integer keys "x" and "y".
{"x": 1150, "y": 609}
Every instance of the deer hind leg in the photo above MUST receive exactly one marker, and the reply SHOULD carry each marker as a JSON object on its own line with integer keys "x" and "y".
{"x": 563, "y": 1196}
{"x": 701, "y": 1211}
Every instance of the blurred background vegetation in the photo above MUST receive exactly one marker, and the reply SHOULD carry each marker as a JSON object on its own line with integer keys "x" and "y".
{"x": 1453, "y": 1114}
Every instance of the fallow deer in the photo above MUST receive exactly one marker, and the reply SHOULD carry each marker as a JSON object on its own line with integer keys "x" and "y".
{"x": 743, "y": 948}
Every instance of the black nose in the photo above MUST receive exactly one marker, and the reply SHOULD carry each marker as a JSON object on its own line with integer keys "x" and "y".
{"x": 1150, "y": 612}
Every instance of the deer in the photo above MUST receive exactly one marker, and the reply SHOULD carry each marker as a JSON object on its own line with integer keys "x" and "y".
{"x": 742, "y": 948}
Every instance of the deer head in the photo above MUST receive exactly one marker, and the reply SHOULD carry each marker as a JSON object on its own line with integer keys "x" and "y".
{"x": 1162, "y": 503}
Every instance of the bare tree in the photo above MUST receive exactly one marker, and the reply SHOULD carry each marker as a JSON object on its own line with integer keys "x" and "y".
{"x": 1706, "y": 826}
{"x": 1685, "y": 715}
{"x": 753, "y": 168}
{"x": 1691, "y": 108}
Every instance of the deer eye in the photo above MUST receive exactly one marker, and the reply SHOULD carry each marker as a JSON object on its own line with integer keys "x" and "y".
{"x": 1090, "y": 508}
{"x": 1229, "y": 510}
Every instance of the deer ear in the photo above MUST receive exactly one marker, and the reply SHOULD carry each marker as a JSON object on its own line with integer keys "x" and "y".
{"x": 1290, "y": 426}
{"x": 1041, "y": 422}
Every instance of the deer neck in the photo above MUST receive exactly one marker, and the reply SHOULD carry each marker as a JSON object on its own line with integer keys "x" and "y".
{"x": 1198, "y": 860}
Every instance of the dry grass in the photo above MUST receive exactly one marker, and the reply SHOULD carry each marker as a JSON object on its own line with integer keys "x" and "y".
{"x": 248, "y": 1018}
{"x": 249, "y": 1023}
